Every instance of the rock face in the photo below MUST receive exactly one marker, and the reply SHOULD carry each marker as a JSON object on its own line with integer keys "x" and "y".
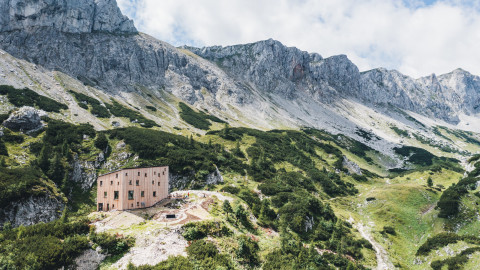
{"x": 25, "y": 119}
{"x": 272, "y": 67}
{"x": 92, "y": 41}
{"x": 214, "y": 178}
{"x": 84, "y": 173}
{"x": 79, "y": 16}
{"x": 289, "y": 72}
{"x": 32, "y": 210}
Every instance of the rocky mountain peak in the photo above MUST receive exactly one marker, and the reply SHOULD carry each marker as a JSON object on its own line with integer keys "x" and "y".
{"x": 79, "y": 16}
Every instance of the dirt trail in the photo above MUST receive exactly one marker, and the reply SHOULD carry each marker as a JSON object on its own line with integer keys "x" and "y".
{"x": 383, "y": 262}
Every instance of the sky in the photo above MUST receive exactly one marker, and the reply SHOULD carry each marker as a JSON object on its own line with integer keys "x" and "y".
{"x": 415, "y": 37}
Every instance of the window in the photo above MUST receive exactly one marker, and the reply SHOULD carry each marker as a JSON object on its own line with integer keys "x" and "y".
{"x": 163, "y": 173}
{"x": 154, "y": 173}
{"x": 118, "y": 183}
{"x": 153, "y": 182}
{"x": 130, "y": 194}
{"x": 116, "y": 176}
{"x": 142, "y": 194}
{"x": 113, "y": 206}
{"x": 111, "y": 183}
{"x": 137, "y": 182}
{"x": 158, "y": 183}
{"x": 130, "y": 182}
{"x": 101, "y": 183}
{"x": 145, "y": 174}
{"x": 115, "y": 195}
{"x": 138, "y": 204}
{"x": 126, "y": 174}
{"x": 154, "y": 194}
{"x": 138, "y": 173}
{"x": 132, "y": 205}
{"x": 105, "y": 194}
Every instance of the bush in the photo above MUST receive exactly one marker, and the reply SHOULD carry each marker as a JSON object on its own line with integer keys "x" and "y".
{"x": 172, "y": 263}
{"x": 151, "y": 108}
{"x": 43, "y": 246}
{"x": 11, "y": 137}
{"x": 360, "y": 178}
{"x": 230, "y": 189}
{"x": 248, "y": 250}
{"x": 202, "y": 229}
{"x": 207, "y": 256}
{"x": 388, "y": 230}
{"x": 110, "y": 243}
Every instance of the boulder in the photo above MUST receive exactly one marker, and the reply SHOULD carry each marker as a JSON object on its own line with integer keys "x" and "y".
{"x": 24, "y": 119}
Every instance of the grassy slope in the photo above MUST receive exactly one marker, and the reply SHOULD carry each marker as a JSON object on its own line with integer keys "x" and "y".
{"x": 406, "y": 204}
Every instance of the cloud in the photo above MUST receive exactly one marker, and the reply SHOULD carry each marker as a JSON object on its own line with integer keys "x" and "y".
{"x": 415, "y": 37}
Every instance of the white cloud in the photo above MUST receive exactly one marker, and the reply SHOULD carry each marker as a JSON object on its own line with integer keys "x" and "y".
{"x": 415, "y": 38}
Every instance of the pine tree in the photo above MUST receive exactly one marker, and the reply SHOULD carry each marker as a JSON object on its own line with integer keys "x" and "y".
{"x": 101, "y": 141}
{"x": 43, "y": 161}
{"x": 237, "y": 151}
{"x": 227, "y": 208}
{"x": 430, "y": 182}
{"x": 191, "y": 141}
{"x": 56, "y": 171}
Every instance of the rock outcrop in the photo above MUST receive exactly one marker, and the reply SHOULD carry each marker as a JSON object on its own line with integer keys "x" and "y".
{"x": 351, "y": 166}
{"x": 24, "y": 119}
{"x": 84, "y": 172}
{"x": 89, "y": 259}
{"x": 79, "y": 16}
{"x": 32, "y": 210}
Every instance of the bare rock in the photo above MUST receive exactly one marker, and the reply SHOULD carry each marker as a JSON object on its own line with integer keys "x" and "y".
{"x": 89, "y": 259}
{"x": 80, "y": 16}
{"x": 83, "y": 173}
{"x": 351, "y": 166}
{"x": 32, "y": 210}
{"x": 214, "y": 177}
{"x": 24, "y": 119}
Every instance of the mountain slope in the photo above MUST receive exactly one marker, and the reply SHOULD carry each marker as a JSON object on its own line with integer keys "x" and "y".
{"x": 303, "y": 143}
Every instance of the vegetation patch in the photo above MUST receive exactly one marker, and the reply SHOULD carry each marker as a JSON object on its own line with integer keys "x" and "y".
{"x": 198, "y": 230}
{"x": 85, "y": 101}
{"x": 119, "y": 110}
{"x": 400, "y": 132}
{"x": 184, "y": 156}
{"x": 197, "y": 119}
{"x": 151, "y": 108}
{"x": 449, "y": 203}
{"x": 456, "y": 262}
{"x": 27, "y": 97}
{"x": 43, "y": 246}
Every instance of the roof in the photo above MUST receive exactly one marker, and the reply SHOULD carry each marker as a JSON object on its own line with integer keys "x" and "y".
{"x": 132, "y": 168}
